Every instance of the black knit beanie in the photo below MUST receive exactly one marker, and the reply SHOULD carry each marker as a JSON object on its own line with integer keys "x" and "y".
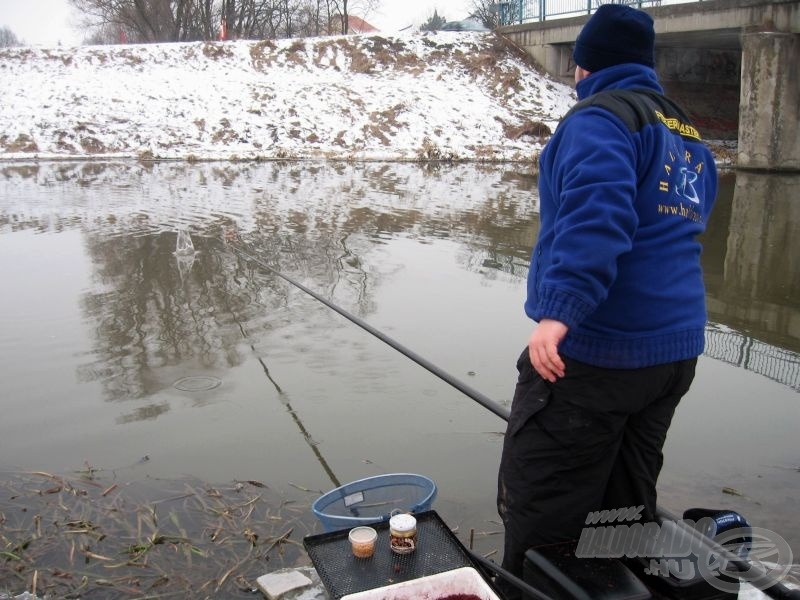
{"x": 615, "y": 34}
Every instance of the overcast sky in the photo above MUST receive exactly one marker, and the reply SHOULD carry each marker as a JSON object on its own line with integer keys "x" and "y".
{"x": 49, "y": 22}
{"x": 397, "y": 14}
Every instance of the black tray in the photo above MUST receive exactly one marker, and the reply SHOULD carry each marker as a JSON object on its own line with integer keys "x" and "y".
{"x": 438, "y": 550}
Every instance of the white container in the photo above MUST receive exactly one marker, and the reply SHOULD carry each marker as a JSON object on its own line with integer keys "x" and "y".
{"x": 465, "y": 580}
{"x": 362, "y": 541}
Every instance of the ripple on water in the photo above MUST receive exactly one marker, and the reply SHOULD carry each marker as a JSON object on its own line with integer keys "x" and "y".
{"x": 197, "y": 383}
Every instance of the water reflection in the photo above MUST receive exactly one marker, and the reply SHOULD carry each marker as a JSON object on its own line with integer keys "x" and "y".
{"x": 752, "y": 265}
{"x": 319, "y": 218}
{"x": 324, "y": 220}
{"x": 437, "y": 253}
{"x": 148, "y": 319}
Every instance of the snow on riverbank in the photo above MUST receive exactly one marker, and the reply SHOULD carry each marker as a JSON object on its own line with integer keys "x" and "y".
{"x": 447, "y": 95}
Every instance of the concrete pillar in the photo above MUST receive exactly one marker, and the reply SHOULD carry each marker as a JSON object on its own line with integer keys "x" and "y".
{"x": 769, "y": 106}
{"x": 558, "y": 62}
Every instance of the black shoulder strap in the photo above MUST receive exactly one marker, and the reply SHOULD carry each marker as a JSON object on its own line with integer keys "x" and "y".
{"x": 638, "y": 108}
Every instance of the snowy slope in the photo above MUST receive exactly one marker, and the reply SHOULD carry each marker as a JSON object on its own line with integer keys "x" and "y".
{"x": 415, "y": 96}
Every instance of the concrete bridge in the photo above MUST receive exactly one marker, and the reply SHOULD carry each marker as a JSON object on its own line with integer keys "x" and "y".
{"x": 734, "y": 65}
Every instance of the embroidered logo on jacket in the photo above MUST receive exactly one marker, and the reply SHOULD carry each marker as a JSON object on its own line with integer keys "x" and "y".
{"x": 680, "y": 177}
{"x": 685, "y": 129}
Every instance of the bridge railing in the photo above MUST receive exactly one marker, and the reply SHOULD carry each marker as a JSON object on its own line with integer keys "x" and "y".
{"x": 514, "y": 12}
{"x": 730, "y": 346}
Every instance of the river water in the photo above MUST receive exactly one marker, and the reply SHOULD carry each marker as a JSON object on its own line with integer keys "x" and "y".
{"x": 114, "y": 350}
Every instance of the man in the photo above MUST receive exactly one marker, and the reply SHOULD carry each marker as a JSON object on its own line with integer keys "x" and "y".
{"x": 616, "y": 287}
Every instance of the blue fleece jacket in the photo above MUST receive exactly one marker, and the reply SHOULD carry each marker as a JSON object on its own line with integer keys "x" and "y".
{"x": 617, "y": 259}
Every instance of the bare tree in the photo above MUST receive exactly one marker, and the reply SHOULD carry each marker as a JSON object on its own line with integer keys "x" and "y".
{"x": 192, "y": 20}
{"x": 7, "y": 38}
{"x": 489, "y": 12}
{"x": 494, "y": 13}
{"x": 319, "y": 16}
{"x": 342, "y": 9}
{"x": 340, "y": 13}
{"x": 325, "y": 20}
{"x": 138, "y": 20}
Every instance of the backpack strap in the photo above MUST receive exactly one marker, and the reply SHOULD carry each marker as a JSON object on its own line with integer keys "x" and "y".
{"x": 639, "y": 108}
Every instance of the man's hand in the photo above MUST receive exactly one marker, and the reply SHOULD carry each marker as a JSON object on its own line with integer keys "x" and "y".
{"x": 543, "y": 349}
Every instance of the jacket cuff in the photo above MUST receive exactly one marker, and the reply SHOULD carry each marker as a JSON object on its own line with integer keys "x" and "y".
{"x": 562, "y": 306}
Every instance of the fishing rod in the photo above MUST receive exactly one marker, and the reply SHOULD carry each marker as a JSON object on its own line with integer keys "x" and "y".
{"x": 480, "y": 398}
{"x": 747, "y": 570}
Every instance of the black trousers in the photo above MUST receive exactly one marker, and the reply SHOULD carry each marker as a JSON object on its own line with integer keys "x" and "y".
{"x": 590, "y": 441}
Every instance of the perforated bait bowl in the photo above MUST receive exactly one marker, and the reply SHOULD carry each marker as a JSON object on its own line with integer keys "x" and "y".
{"x": 373, "y": 500}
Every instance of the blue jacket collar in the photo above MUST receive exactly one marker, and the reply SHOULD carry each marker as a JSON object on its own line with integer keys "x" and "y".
{"x": 624, "y": 76}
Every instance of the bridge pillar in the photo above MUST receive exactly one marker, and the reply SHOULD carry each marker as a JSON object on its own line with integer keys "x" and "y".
{"x": 769, "y": 105}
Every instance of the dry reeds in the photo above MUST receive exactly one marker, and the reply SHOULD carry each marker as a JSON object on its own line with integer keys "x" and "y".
{"x": 79, "y": 536}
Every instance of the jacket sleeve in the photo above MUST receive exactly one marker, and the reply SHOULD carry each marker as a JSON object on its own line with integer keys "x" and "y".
{"x": 594, "y": 184}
